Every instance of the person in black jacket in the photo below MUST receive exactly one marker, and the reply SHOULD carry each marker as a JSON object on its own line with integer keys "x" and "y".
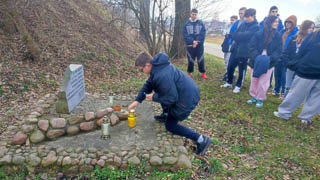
{"x": 292, "y": 49}
{"x": 266, "y": 45}
{"x": 174, "y": 89}
{"x": 306, "y": 84}
{"x": 239, "y": 50}
{"x": 227, "y": 42}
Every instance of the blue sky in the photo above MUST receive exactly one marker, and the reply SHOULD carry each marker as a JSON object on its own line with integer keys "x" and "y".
{"x": 303, "y": 9}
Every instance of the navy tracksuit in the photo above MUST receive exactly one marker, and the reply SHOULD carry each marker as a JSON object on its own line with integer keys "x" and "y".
{"x": 195, "y": 31}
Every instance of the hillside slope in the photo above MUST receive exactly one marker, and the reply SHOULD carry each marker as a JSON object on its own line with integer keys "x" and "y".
{"x": 65, "y": 31}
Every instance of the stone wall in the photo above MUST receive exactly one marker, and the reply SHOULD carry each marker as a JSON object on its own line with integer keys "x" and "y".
{"x": 42, "y": 124}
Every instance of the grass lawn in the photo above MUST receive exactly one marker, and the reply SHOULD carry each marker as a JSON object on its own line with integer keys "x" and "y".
{"x": 250, "y": 143}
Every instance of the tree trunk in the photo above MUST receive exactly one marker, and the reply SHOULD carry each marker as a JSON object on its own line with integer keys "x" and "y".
{"x": 145, "y": 19}
{"x": 182, "y": 12}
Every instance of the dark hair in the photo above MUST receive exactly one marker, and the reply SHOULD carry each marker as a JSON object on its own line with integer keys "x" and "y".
{"x": 243, "y": 8}
{"x": 272, "y": 8}
{"x": 234, "y": 17}
{"x": 268, "y": 31}
{"x": 143, "y": 58}
{"x": 250, "y": 12}
{"x": 313, "y": 36}
{"x": 302, "y": 34}
{"x": 194, "y": 10}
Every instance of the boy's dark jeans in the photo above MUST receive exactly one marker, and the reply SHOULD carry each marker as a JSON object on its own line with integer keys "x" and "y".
{"x": 280, "y": 78}
{"x": 174, "y": 127}
{"x": 233, "y": 63}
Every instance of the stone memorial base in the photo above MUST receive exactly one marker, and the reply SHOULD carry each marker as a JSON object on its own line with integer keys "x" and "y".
{"x": 148, "y": 141}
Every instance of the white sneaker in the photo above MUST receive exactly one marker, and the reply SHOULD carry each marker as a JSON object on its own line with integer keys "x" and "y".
{"x": 305, "y": 122}
{"x": 275, "y": 113}
{"x": 226, "y": 85}
{"x": 236, "y": 89}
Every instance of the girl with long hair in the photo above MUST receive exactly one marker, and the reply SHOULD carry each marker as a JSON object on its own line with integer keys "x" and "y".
{"x": 280, "y": 68}
{"x": 292, "y": 49}
{"x": 265, "y": 49}
{"x": 306, "y": 84}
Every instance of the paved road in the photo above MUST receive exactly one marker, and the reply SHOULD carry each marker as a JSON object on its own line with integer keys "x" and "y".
{"x": 213, "y": 49}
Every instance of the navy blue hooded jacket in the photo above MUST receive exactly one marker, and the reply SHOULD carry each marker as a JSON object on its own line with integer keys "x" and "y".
{"x": 194, "y": 31}
{"x": 256, "y": 47}
{"x": 242, "y": 37}
{"x": 307, "y": 62}
{"x": 290, "y": 52}
{"x": 172, "y": 88}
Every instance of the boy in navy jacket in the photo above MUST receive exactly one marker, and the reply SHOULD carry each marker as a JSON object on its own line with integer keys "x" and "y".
{"x": 174, "y": 89}
{"x": 194, "y": 34}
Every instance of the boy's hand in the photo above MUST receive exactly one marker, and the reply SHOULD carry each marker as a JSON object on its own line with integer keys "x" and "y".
{"x": 133, "y": 105}
{"x": 149, "y": 97}
{"x": 195, "y": 43}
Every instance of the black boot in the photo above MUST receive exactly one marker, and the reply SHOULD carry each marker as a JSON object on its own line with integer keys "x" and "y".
{"x": 162, "y": 117}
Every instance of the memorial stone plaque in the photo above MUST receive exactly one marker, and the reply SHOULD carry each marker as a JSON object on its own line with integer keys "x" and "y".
{"x": 72, "y": 90}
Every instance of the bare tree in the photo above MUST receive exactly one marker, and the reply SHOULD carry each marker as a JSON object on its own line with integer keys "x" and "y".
{"x": 158, "y": 26}
{"x": 205, "y": 8}
{"x": 151, "y": 19}
{"x": 182, "y": 11}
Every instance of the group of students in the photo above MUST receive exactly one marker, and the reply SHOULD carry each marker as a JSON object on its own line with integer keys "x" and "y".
{"x": 268, "y": 47}
{"x": 247, "y": 43}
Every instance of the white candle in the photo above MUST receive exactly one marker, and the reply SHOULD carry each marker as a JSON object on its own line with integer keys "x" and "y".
{"x": 110, "y": 99}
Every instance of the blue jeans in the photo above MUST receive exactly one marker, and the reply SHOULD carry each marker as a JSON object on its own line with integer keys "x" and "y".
{"x": 174, "y": 127}
{"x": 289, "y": 79}
{"x": 242, "y": 66}
{"x": 280, "y": 77}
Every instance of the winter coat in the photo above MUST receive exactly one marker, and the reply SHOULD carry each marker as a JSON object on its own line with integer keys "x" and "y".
{"x": 242, "y": 37}
{"x": 287, "y": 35}
{"x": 306, "y": 63}
{"x": 261, "y": 65}
{"x": 256, "y": 47}
{"x": 227, "y": 42}
{"x": 173, "y": 88}
{"x": 280, "y": 25}
{"x": 290, "y": 52}
{"x": 194, "y": 31}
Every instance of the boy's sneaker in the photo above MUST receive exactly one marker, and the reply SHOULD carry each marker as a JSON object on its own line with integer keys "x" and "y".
{"x": 259, "y": 104}
{"x": 236, "y": 89}
{"x": 189, "y": 74}
{"x": 281, "y": 97}
{"x": 204, "y": 145}
{"x": 305, "y": 122}
{"x": 226, "y": 85}
{"x": 276, "y": 114}
{"x": 161, "y": 118}
{"x": 204, "y": 76}
{"x": 275, "y": 93}
{"x": 252, "y": 100}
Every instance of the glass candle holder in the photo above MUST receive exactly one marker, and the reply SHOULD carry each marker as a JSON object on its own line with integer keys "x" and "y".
{"x": 111, "y": 100}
